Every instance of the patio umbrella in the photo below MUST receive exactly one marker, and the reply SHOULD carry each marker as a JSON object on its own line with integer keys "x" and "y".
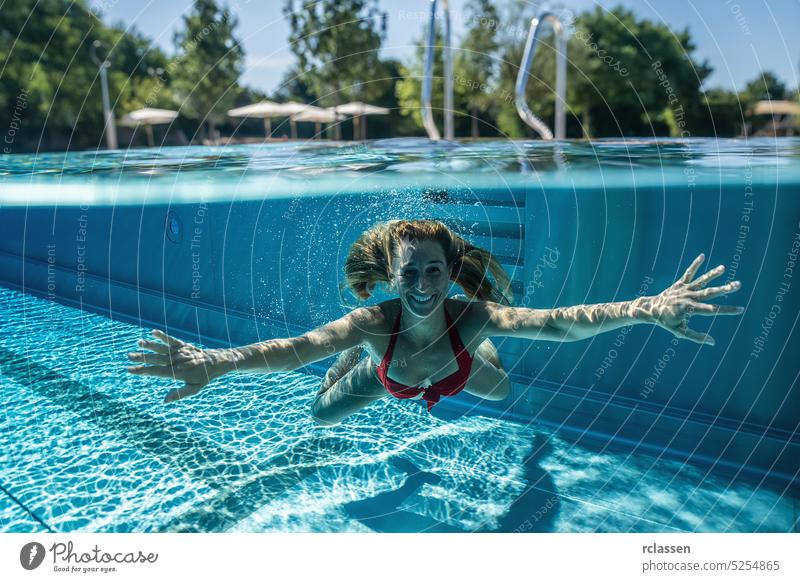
{"x": 269, "y": 109}
{"x": 149, "y": 117}
{"x": 776, "y": 108}
{"x": 318, "y": 116}
{"x": 358, "y": 109}
{"x": 782, "y": 113}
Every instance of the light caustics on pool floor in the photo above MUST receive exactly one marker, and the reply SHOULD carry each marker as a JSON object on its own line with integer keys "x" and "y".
{"x": 84, "y": 446}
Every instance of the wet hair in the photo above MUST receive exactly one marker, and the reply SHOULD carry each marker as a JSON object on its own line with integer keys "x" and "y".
{"x": 369, "y": 261}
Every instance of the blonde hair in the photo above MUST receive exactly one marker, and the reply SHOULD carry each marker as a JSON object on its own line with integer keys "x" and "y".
{"x": 369, "y": 261}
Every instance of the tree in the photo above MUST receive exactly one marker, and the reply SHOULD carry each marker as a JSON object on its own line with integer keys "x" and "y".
{"x": 54, "y": 75}
{"x": 540, "y": 87}
{"x": 626, "y": 76}
{"x": 409, "y": 88}
{"x": 476, "y": 60}
{"x": 337, "y": 43}
{"x": 293, "y": 87}
{"x": 660, "y": 79}
{"x": 139, "y": 70}
{"x": 765, "y": 87}
{"x": 719, "y": 114}
{"x": 49, "y": 85}
{"x": 393, "y": 124}
{"x": 206, "y": 71}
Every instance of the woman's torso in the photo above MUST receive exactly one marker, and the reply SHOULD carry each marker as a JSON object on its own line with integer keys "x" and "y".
{"x": 420, "y": 364}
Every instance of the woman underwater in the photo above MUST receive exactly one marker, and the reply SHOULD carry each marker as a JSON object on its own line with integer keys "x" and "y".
{"x": 424, "y": 344}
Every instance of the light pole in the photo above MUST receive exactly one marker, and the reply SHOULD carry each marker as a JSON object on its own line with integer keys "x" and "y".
{"x": 157, "y": 72}
{"x": 110, "y": 127}
{"x": 427, "y": 79}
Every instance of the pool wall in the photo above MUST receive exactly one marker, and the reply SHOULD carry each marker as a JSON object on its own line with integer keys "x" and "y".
{"x": 236, "y": 272}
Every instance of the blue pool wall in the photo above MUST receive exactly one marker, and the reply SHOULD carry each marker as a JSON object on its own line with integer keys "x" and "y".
{"x": 236, "y": 272}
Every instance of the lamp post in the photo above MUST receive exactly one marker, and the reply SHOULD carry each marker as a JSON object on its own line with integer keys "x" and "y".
{"x": 157, "y": 72}
{"x": 110, "y": 127}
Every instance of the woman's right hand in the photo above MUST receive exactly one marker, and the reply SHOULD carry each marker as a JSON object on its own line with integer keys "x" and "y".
{"x": 173, "y": 358}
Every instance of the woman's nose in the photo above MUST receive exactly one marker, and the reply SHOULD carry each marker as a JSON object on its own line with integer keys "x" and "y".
{"x": 423, "y": 283}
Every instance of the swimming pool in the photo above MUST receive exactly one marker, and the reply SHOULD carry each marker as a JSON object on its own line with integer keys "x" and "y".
{"x": 624, "y": 432}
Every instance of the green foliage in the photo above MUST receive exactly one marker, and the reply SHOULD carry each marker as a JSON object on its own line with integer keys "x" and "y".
{"x": 764, "y": 87}
{"x": 720, "y": 114}
{"x": 207, "y": 68}
{"x": 393, "y": 124}
{"x": 476, "y": 60}
{"x": 337, "y": 46}
{"x": 293, "y": 87}
{"x": 474, "y": 66}
{"x": 660, "y": 78}
{"x": 409, "y": 88}
{"x": 627, "y": 75}
{"x": 540, "y": 89}
{"x": 139, "y": 71}
{"x": 336, "y": 43}
{"x": 50, "y": 87}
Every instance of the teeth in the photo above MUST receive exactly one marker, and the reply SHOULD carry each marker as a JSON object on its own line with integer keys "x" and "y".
{"x": 422, "y": 298}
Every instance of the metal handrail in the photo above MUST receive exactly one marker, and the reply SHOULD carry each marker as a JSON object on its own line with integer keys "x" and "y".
{"x": 427, "y": 80}
{"x": 108, "y": 114}
{"x": 561, "y": 77}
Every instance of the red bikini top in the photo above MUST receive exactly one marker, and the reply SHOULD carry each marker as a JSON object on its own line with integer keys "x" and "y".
{"x": 449, "y": 386}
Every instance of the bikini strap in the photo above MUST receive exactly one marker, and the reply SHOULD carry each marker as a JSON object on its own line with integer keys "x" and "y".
{"x": 455, "y": 339}
{"x": 387, "y": 357}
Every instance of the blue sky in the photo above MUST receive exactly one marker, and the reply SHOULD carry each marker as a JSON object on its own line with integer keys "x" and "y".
{"x": 738, "y": 37}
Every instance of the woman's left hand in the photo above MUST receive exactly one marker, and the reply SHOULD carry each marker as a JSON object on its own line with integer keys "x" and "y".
{"x": 672, "y": 308}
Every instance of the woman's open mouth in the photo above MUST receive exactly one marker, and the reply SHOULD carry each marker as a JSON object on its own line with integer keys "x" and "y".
{"x": 421, "y": 299}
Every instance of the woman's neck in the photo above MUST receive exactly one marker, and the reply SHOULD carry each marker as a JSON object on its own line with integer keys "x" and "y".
{"x": 423, "y": 330}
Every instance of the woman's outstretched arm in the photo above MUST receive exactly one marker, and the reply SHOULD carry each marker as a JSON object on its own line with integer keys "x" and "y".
{"x": 669, "y": 309}
{"x": 196, "y": 367}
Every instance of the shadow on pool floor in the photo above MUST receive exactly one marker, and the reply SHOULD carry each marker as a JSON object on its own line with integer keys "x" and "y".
{"x": 384, "y": 513}
{"x": 567, "y": 492}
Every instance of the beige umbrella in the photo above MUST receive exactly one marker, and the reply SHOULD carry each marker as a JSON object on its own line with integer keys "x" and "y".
{"x": 149, "y": 116}
{"x": 269, "y": 109}
{"x": 318, "y": 116}
{"x": 264, "y": 109}
{"x": 776, "y": 108}
{"x": 358, "y": 109}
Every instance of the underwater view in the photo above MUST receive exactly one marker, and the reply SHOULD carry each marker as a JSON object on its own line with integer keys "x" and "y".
{"x": 87, "y": 449}
{"x": 628, "y": 431}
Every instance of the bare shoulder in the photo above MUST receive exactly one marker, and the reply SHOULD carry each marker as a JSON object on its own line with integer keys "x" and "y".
{"x": 376, "y": 319}
{"x": 482, "y": 319}
{"x": 470, "y": 317}
{"x": 471, "y": 311}
{"x": 376, "y": 322}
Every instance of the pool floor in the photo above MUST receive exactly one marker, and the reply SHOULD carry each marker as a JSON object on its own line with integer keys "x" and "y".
{"x": 84, "y": 446}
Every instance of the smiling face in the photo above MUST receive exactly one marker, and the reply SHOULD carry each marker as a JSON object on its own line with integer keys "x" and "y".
{"x": 420, "y": 275}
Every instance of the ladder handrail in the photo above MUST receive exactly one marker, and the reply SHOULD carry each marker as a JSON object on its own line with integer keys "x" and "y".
{"x": 561, "y": 77}
{"x": 427, "y": 79}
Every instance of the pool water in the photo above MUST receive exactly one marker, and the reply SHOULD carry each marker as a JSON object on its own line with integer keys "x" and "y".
{"x": 389, "y": 166}
{"x": 86, "y": 447}
{"x": 626, "y": 431}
